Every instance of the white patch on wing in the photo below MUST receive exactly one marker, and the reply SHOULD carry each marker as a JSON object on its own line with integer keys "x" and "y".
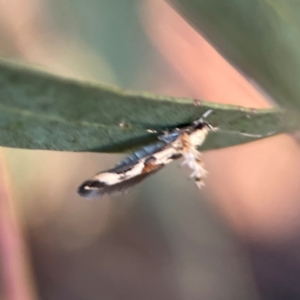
{"x": 111, "y": 178}
{"x": 107, "y": 178}
{"x": 165, "y": 156}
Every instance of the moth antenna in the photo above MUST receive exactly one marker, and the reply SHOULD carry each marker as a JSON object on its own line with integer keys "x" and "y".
{"x": 203, "y": 117}
{"x": 152, "y": 131}
{"x": 202, "y": 120}
{"x": 246, "y": 134}
{"x": 206, "y": 114}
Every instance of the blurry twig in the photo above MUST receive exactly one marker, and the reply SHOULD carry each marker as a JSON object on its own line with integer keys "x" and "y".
{"x": 15, "y": 272}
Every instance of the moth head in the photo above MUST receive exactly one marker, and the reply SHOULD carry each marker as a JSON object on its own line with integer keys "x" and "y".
{"x": 202, "y": 124}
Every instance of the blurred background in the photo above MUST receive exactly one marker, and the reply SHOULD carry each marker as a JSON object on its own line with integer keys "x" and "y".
{"x": 236, "y": 239}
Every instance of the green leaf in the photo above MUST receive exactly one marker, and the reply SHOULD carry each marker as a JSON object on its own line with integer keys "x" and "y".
{"x": 43, "y": 111}
{"x": 261, "y": 37}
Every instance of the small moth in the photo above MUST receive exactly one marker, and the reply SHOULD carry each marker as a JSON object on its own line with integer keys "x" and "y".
{"x": 148, "y": 160}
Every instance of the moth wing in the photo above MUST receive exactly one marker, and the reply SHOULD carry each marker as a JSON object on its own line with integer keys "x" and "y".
{"x": 93, "y": 188}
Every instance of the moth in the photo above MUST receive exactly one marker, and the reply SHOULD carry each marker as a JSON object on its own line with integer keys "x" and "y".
{"x": 177, "y": 143}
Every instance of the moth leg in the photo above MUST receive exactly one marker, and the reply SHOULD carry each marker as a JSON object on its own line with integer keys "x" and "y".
{"x": 198, "y": 168}
{"x": 199, "y": 163}
{"x": 192, "y": 158}
{"x": 187, "y": 158}
{"x": 196, "y": 164}
{"x": 186, "y": 150}
{"x": 199, "y": 182}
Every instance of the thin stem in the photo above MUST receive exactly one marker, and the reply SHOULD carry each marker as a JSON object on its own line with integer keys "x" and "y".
{"x": 14, "y": 263}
